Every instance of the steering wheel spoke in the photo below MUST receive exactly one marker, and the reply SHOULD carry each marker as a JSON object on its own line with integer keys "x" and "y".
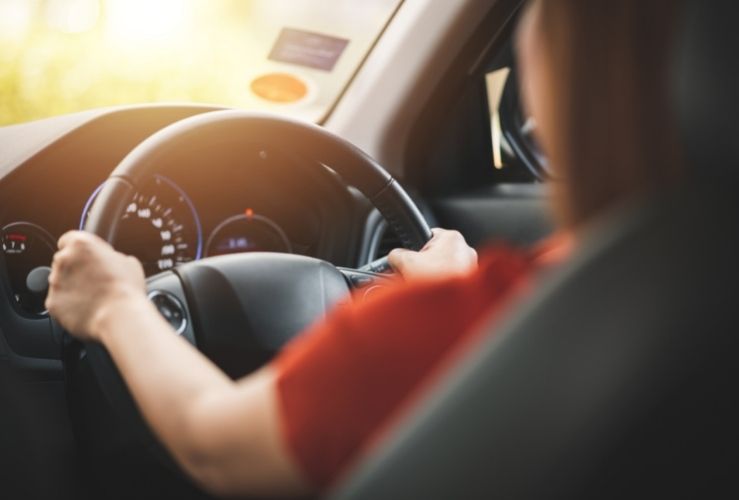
{"x": 378, "y": 266}
{"x": 364, "y": 283}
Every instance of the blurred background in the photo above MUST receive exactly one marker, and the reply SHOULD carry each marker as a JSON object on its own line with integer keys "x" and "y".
{"x": 60, "y": 56}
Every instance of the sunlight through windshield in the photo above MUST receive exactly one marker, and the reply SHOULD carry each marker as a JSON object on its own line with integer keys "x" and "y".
{"x": 289, "y": 56}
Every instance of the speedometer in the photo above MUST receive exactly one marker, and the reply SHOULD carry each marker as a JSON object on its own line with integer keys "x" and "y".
{"x": 159, "y": 226}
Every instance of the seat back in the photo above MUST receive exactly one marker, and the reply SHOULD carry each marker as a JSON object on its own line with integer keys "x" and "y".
{"x": 618, "y": 377}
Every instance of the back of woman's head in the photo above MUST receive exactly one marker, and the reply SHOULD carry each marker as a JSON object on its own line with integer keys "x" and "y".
{"x": 610, "y": 132}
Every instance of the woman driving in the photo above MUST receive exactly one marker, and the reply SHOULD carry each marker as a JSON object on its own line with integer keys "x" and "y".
{"x": 594, "y": 78}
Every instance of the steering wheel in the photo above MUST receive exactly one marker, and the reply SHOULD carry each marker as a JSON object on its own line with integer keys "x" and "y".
{"x": 240, "y": 309}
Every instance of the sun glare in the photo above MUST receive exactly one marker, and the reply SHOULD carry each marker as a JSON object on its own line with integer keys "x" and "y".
{"x": 146, "y": 21}
{"x": 72, "y": 16}
{"x": 285, "y": 56}
{"x": 15, "y": 18}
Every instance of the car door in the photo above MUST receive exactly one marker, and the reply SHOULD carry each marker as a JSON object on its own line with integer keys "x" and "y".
{"x": 471, "y": 159}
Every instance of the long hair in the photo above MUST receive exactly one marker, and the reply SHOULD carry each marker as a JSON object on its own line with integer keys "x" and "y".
{"x": 616, "y": 136}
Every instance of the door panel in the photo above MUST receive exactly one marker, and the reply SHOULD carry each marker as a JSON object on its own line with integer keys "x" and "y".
{"x": 515, "y": 213}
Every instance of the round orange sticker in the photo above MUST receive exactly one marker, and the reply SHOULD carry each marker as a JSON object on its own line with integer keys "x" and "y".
{"x": 279, "y": 87}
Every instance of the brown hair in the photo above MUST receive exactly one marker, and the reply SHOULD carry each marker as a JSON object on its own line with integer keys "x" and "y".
{"x": 616, "y": 137}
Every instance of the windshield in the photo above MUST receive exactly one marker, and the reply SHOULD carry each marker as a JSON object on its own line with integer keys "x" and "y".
{"x": 289, "y": 56}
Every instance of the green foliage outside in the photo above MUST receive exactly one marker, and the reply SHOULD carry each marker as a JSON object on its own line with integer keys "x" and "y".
{"x": 46, "y": 71}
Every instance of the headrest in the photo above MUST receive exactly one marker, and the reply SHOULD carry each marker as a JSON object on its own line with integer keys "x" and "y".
{"x": 707, "y": 85}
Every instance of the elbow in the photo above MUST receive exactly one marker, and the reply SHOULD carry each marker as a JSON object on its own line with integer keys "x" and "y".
{"x": 209, "y": 476}
{"x": 231, "y": 446}
{"x": 222, "y": 471}
{"x": 202, "y": 458}
{"x": 205, "y": 466}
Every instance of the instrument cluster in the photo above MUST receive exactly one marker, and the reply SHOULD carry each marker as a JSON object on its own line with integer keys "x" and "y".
{"x": 160, "y": 226}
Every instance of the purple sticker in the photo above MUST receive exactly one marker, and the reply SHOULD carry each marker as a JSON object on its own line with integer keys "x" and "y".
{"x": 308, "y": 49}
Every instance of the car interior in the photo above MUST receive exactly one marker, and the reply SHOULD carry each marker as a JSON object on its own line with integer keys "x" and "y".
{"x": 616, "y": 378}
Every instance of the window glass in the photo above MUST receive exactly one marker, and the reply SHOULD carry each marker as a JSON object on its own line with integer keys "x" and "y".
{"x": 289, "y": 56}
{"x": 516, "y": 154}
{"x": 495, "y": 82}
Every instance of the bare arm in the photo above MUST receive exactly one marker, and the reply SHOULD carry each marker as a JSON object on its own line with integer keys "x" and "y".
{"x": 225, "y": 434}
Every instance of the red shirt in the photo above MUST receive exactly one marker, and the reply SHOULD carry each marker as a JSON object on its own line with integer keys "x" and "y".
{"x": 347, "y": 377}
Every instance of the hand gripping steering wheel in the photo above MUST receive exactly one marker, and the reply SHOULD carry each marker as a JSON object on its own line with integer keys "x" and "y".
{"x": 240, "y": 309}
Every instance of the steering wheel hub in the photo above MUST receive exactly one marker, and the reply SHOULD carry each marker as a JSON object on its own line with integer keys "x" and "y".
{"x": 245, "y": 307}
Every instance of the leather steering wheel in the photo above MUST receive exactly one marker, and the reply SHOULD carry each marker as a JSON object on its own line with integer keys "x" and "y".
{"x": 240, "y": 309}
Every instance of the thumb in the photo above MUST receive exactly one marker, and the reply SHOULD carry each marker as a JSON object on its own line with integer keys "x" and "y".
{"x": 398, "y": 257}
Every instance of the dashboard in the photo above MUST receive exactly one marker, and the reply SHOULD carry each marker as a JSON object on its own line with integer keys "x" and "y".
{"x": 213, "y": 200}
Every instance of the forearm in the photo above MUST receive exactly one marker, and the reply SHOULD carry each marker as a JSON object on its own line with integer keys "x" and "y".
{"x": 166, "y": 375}
{"x": 224, "y": 434}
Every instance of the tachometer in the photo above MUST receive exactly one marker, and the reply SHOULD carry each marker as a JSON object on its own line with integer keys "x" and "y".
{"x": 159, "y": 226}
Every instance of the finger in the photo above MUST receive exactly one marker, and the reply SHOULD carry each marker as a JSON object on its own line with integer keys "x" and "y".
{"x": 439, "y": 235}
{"x": 435, "y": 240}
{"x": 54, "y": 277}
{"x": 69, "y": 238}
{"x": 397, "y": 257}
{"x": 80, "y": 238}
{"x": 49, "y": 304}
{"x": 55, "y": 260}
{"x": 449, "y": 238}
{"x": 60, "y": 260}
{"x": 436, "y": 232}
{"x": 67, "y": 261}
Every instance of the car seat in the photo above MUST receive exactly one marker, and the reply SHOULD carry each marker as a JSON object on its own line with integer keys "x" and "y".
{"x": 618, "y": 376}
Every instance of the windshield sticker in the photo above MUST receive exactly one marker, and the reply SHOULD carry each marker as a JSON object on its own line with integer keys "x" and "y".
{"x": 280, "y": 88}
{"x": 308, "y": 49}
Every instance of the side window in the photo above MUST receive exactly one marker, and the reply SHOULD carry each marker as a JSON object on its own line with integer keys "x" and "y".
{"x": 512, "y": 131}
{"x": 473, "y": 134}
{"x": 495, "y": 83}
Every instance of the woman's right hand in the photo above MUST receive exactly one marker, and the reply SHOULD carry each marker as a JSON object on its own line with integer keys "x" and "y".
{"x": 88, "y": 277}
{"x": 445, "y": 254}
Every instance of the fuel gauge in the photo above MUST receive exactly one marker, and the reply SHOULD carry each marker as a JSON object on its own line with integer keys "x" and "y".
{"x": 14, "y": 243}
{"x": 26, "y": 246}
{"x": 247, "y": 232}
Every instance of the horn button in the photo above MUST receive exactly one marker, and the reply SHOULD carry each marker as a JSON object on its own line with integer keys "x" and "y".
{"x": 245, "y": 307}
